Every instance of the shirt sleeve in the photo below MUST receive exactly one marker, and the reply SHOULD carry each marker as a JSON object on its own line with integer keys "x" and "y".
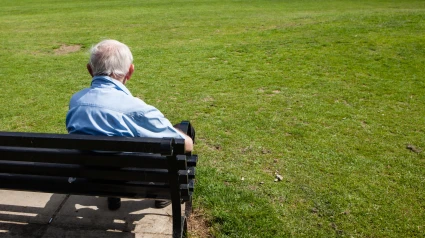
{"x": 152, "y": 123}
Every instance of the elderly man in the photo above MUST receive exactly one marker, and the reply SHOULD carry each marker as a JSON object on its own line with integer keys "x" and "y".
{"x": 108, "y": 108}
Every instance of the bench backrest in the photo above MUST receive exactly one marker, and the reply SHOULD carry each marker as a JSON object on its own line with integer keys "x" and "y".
{"x": 95, "y": 165}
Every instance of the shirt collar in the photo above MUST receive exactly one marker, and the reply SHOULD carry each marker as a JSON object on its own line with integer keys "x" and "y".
{"x": 106, "y": 81}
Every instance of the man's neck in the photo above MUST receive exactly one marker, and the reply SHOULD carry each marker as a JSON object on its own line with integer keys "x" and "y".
{"x": 120, "y": 79}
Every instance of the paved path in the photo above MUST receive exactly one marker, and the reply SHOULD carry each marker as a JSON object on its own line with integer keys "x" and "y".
{"x": 44, "y": 215}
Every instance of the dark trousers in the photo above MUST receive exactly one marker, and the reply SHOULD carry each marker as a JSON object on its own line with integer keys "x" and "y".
{"x": 187, "y": 128}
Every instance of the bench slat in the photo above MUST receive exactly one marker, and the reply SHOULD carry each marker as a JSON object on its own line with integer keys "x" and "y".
{"x": 85, "y": 187}
{"x": 66, "y": 156}
{"x": 89, "y": 172}
{"x": 88, "y": 142}
{"x": 192, "y": 160}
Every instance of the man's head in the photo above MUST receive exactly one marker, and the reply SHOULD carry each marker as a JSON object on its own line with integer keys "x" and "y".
{"x": 111, "y": 58}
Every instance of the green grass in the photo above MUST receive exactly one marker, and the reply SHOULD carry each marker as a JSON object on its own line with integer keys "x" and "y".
{"x": 326, "y": 93}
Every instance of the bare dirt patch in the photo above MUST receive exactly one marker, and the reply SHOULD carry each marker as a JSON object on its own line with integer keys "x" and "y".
{"x": 198, "y": 226}
{"x": 66, "y": 49}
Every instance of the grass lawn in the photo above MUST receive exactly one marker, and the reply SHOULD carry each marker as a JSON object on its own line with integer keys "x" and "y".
{"x": 329, "y": 95}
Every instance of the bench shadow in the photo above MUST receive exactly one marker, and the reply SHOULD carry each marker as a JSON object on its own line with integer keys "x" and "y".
{"x": 76, "y": 216}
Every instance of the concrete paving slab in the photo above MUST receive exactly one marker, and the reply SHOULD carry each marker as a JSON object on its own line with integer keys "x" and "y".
{"x": 27, "y": 214}
{"x": 137, "y": 216}
{"x": 51, "y": 231}
{"x": 68, "y": 232}
{"x": 28, "y": 207}
{"x": 21, "y": 230}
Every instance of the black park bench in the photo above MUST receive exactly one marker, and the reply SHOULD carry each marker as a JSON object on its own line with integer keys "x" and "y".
{"x": 100, "y": 166}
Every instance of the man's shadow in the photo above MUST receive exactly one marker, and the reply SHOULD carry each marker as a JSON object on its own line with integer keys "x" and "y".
{"x": 75, "y": 216}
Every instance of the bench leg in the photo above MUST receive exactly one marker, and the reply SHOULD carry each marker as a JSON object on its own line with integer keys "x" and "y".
{"x": 179, "y": 221}
{"x": 114, "y": 203}
{"x": 184, "y": 225}
{"x": 188, "y": 208}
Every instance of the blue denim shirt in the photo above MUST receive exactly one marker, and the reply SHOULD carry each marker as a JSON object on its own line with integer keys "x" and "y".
{"x": 108, "y": 108}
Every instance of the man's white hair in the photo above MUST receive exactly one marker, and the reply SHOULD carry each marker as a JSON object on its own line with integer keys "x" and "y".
{"x": 110, "y": 57}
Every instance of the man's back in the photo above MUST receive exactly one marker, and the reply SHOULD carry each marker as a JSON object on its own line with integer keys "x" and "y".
{"x": 108, "y": 108}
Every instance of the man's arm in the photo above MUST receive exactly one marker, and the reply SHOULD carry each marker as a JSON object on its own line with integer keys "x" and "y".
{"x": 188, "y": 142}
{"x": 152, "y": 120}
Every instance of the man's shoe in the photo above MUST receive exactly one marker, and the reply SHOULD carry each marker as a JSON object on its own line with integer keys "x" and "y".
{"x": 114, "y": 203}
{"x": 162, "y": 203}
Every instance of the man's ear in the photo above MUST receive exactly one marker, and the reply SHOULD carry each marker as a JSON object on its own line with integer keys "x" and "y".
{"x": 130, "y": 72}
{"x": 90, "y": 69}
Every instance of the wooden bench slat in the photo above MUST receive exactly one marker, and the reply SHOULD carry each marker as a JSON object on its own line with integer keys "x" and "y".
{"x": 88, "y": 142}
{"x": 85, "y": 187}
{"x": 89, "y": 172}
{"x": 192, "y": 160}
{"x": 66, "y": 156}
